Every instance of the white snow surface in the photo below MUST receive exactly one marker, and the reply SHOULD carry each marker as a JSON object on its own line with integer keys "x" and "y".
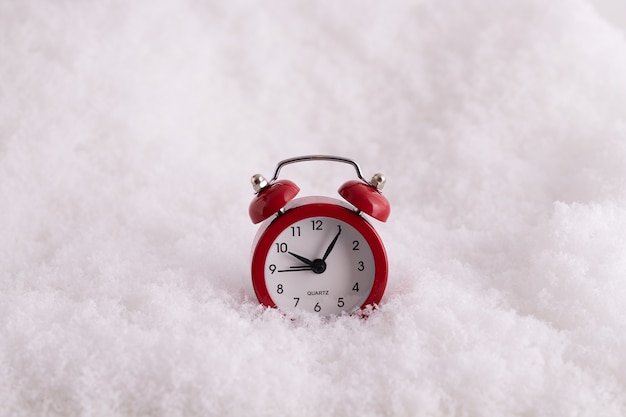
{"x": 129, "y": 132}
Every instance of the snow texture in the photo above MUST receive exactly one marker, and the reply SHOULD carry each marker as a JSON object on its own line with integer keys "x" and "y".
{"x": 128, "y": 134}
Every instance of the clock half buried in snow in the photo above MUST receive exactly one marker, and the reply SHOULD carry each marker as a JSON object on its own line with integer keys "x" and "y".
{"x": 318, "y": 254}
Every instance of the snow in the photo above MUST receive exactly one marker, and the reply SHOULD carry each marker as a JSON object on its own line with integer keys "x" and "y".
{"x": 128, "y": 134}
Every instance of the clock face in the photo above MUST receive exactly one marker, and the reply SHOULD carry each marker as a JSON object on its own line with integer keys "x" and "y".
{"x": 323, "y": 258}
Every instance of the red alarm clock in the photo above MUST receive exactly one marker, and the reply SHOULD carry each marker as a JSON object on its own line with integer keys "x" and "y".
{"x": 318, "y": 254}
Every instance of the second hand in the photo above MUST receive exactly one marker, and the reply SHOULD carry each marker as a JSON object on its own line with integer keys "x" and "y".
{"x": 296, "y": 268}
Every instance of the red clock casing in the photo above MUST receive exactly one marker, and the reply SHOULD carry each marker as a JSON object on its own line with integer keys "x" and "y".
{"x": 309, "y": 207}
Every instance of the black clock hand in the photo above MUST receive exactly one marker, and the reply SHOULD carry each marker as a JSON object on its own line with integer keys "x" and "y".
{"x": 296, "y": 268}
{"x": 301, "y": 258}
{"x": 332, "y": 245}
{"x": 318, "y": 267}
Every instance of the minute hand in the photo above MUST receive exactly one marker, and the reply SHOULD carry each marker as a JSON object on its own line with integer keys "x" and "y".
{"x": 332, "y": 244}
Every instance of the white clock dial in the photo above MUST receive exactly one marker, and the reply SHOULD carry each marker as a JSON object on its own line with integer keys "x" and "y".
{"x": 319, "y": 264}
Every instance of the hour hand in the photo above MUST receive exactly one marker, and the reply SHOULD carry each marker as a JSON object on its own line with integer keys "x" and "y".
{"x": 301, "y": 258}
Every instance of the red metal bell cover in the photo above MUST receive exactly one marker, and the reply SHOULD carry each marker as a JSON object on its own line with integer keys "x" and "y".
{"x": 366, "y": 198}
{"x": 270, "y": 200}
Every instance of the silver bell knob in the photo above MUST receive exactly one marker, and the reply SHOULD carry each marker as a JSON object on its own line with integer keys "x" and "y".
{"x": 258, "y": 182}
{"x": 378, "y": 181}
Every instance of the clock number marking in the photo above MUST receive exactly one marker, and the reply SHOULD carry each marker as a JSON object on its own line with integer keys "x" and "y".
{"x": 272, "y": 268}
{"x": 356, "y": 287}
{"x": 361, "y": 266}
{"x": 295, "y": 230}
{"x": 317, "y": 307}
{"x": 317, "y": 224}
{"x": 281, "y": 247}
{"x": 355, "y": 244}
{"x": 297, "y": 301}
{"x": 279, "y": 289}
{"x": 340, "y": 302}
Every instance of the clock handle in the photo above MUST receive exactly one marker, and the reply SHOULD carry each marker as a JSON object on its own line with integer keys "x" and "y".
{"x": 273, "y": 195}
{"x": 318, "y": 158}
